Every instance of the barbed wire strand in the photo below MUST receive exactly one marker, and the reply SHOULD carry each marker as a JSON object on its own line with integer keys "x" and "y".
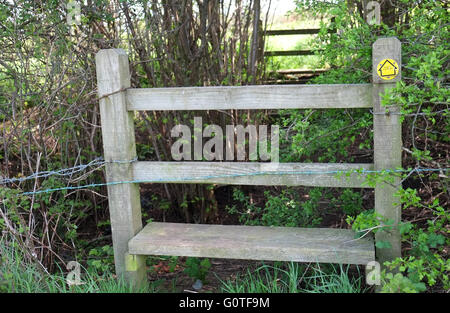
{"x": 70, "y": 171}
{"x": 99, "y": 162}
{"x": 443, "y": 112}
{"x": 186, "y": 179}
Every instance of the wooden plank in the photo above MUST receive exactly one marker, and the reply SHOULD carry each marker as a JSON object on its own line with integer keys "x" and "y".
{"x": 251, "y": 173}
{"x": 287, "y": 81}
{"x": 288, "y": 53}
{"x": 253, "y": 243}
{"x": 305, "y": 31}
{"x": 387, "y": 148}
{"x": 299, "y": 71}
{"x": 118, "y": 143}
{"x": 281, "y": 32}
{"x": 251, "y": 97}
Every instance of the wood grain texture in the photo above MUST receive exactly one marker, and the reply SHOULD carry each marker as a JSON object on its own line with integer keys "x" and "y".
{"x": 253, "y": 243}
{"x": 387, "y": 134}
{"x": 119, "y": 144}
{"x": 251, "y": 97}
{"x": 248, "y": 173}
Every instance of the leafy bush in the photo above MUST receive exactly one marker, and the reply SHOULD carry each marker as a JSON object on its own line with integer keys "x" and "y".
{"x": 101, "y": 259}
{"x": 283, "y": 209}
{"x": 423, "y": 97}
{"x": 197, "y": 268}
{"x": 349, "y": 202}
{"x": 425, "y": 260}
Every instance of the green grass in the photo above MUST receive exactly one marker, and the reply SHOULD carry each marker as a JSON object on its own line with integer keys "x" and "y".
{"x": 21, "y": 276}
{"x": 265, "y": 279}
{"x": 336, "y": 280}
{"x": 293, "y": 279}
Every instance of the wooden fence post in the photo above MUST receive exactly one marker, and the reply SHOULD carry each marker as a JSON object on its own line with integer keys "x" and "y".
{"x": 113, "y": 77}
{"x": 386, "y": 70}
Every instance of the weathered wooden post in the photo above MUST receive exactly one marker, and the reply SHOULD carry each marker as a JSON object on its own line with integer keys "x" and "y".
{"x": 113, "y": 77}
{"x": 386, "y": 69}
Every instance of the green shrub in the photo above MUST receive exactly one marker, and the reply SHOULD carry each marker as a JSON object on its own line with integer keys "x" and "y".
{"x": 101, "y": 259}
{"x": 283, "y": 209}
{"x": 197, "y": 268}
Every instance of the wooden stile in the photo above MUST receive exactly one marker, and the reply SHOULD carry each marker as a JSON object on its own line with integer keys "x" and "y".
{"x": 131, "y": 242}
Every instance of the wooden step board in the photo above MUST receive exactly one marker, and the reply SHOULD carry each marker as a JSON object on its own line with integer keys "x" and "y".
{"x": 326, "y": 245}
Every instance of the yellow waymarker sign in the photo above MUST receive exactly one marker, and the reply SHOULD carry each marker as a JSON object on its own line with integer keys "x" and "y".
{"x": 387, "y": 69}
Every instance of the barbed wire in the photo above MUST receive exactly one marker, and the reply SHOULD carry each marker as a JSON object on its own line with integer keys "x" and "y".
{"x": 70, "y": 171}
{"x": 412, "y": 114}
{"x": 62, "y": 172}
{"x": 100, "y": 162}
{"x": 187, "y": 179}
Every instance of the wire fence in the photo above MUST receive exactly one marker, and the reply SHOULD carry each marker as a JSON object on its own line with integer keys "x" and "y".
{"x": 62, "y": 172}
{"x": 443, "y": 112}
{"x": 98, "y": 163}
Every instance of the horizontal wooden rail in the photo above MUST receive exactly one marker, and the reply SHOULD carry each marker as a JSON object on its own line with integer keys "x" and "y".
{"x": 286, "y": 81}
{"x": 250, "y": 173}
{"x": 251, "y": 97}
{"x": 288, "y": 53}
{"x": 299, "y": 72}
{"x": 306, "y": 31}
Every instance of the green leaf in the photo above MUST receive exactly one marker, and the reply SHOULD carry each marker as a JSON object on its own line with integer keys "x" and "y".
{"x": 383, "y": 245}
{"x": 405, "y": 228}
{"x": 435, "y": 239}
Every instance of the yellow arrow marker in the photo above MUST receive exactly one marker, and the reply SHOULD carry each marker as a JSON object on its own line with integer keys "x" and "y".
{"x": 387, "y": 69}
